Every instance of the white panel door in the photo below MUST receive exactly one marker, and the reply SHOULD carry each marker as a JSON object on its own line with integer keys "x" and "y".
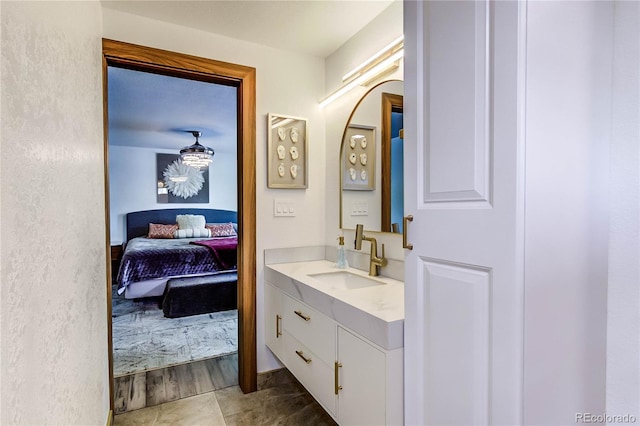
{"x": 463, "y": 279}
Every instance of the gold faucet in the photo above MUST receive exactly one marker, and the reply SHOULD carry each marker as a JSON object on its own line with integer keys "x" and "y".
{"x": 375, "y": 262}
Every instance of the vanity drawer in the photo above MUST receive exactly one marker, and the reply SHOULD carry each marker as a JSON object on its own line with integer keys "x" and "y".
{"x": 313, "y": 329}
{"x": 316, "y": 376}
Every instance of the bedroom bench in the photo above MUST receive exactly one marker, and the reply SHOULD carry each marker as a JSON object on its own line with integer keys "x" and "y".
{"x": 200, "y": 295}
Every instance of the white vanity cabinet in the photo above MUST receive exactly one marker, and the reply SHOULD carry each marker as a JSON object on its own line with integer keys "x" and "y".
{"x": 355, "y": 380}
{"x": 273, "y": 319}
{"x": 361, "y": 379}
{"x": 310, "y": 350}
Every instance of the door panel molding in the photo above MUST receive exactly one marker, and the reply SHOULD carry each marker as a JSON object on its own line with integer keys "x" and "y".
{"x": 457, "y": 302}
{"x": 458, "y": 111}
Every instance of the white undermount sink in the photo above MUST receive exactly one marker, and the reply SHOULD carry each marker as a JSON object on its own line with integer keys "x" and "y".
{"x": 343, "y": 280}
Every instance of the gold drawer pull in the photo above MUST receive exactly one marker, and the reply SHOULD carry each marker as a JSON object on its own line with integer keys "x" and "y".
{"x": 301, "y": 355}
{"x": 278, "y": 332}
{"x": 337, "y": 387}
{"x": 301, "y": 315}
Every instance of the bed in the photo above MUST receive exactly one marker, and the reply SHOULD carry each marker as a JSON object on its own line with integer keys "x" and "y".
{"x": 147, "y": 264}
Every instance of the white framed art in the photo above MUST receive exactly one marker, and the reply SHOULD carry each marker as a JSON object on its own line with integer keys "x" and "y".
{"x": 287, "y": 152}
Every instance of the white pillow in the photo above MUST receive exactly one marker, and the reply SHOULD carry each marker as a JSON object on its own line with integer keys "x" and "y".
{"x": 190, "y": 221}
{"x": 192, "y": 233}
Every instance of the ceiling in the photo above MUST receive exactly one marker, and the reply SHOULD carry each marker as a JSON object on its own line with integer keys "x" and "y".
{"x": 154, "y": 111}
{"x": 312, "y": 27}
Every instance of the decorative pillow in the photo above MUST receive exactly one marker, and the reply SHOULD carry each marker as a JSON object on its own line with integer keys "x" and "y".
{"x": 221, "y": 229}
{"x": 192, "y": 233}
{"x": 190, "y": 221}
{"x": 162, "y": 231}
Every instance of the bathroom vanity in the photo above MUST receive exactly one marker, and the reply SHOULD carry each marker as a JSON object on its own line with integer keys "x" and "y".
{"x": 340, "y": 332}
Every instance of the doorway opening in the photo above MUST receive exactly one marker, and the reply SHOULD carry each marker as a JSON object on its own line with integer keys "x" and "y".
{"x": 124, "y": 56}
{"x": 392, "y": 147}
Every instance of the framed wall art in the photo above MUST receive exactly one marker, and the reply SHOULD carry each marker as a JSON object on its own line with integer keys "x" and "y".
{"x": 359, "y": 158}
{"x": 178, "y": 183}
{"x": 287, "y": 152}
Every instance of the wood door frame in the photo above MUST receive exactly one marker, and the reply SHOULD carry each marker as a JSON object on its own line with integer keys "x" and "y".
{"x": 131, "y": 56}
{"x": 390, "y": 103}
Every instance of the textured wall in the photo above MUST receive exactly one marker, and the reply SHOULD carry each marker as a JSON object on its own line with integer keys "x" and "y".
{"x": 623, "y": 314}
{"x": 54, "y": 367}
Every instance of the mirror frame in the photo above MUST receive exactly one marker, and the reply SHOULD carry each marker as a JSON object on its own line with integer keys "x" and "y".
{"x": 387, "y": 167}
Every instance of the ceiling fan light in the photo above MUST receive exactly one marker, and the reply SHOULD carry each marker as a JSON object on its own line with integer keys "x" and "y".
{"x": 196, "y": 155}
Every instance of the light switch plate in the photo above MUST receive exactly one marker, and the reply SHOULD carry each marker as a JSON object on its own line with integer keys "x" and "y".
{"x": 359, "y": 208}
{"x": 283, "y": 208}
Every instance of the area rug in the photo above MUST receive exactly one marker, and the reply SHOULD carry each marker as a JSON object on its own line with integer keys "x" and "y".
{"x": 143, "y": 339}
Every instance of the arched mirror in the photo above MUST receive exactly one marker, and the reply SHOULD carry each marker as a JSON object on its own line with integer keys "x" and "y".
{"x": 371, "y": 161}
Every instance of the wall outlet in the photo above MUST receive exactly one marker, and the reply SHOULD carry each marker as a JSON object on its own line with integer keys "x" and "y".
{"x": 284, "y": 208}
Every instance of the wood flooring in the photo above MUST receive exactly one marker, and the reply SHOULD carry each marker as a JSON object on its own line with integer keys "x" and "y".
{"x": 146, "y": 389}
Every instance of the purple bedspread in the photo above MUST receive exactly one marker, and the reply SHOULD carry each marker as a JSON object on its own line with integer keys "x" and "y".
{"x": 146, "y": 259}
{"x": 224, "y": 250}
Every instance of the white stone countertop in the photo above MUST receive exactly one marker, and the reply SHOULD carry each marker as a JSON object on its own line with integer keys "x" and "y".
{"x": 375, "y": 312}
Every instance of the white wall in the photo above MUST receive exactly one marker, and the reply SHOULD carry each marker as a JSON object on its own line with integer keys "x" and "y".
{"x": 623, "y": 316}
{"x": 385, "y": 28}
{"x": 54, "y": 365}
{"x": 568, "y": 102}
{"x": 132, "y": 184}
{"x": 287, "y": 83}
{"x": 377, "y": 34}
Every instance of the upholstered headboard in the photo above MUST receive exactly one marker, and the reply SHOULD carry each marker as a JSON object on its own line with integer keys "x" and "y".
{"x": 138, "y": 222}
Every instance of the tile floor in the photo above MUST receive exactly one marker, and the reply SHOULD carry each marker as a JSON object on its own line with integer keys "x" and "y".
{"x": 280, "y": 400}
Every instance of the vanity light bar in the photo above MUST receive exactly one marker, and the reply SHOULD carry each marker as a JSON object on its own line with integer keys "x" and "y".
{"x": 392, "y": 47}
{"x": 366, "y": 76}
